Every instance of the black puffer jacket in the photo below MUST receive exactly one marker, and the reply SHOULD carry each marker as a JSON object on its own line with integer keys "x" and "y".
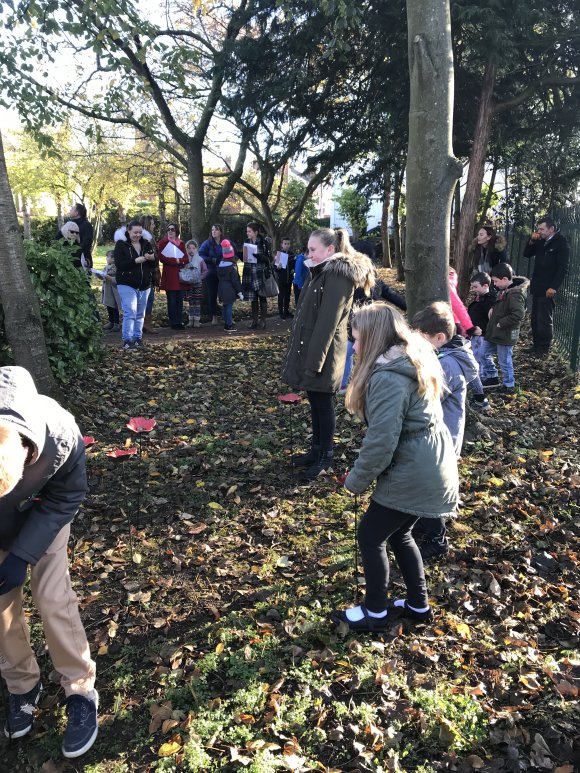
{"x": 54, "y": 482}
{"x": 137, "y": 275}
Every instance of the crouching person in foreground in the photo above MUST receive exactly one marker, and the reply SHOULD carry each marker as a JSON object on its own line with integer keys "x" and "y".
{"x": 42, "y": 484}
{"x": 407, "y": 450}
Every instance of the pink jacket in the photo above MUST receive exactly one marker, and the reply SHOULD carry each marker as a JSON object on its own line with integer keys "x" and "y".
{"x": 460, "y": 315}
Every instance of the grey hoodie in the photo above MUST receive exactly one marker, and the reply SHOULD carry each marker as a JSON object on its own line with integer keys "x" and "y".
{"x": 460, "y": 369}
{"x": 54, "y": 482}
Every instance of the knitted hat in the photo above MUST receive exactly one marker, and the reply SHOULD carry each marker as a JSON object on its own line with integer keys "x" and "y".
{"x": 227, "y": 250}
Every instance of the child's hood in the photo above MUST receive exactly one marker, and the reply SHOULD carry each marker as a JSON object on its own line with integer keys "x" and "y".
{"x": 458, "y": 349}
{"x": 19, "y": 406}
{"x": 395, "y": 360}
{"x": 519, "y": 284}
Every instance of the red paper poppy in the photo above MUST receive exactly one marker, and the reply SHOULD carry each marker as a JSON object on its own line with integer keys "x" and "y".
{"x": 139, "y": 424}
{"x": 291, "y": 397}
{"x": 89, "y": 440}
{"x": 121, "y": 453}
{"x": 341, "y": 478}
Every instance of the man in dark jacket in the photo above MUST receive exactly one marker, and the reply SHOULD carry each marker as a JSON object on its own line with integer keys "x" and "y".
{"x": 42, "y": 484}
{"x": 552, "y": 254}
{"x": 78, "y": 215}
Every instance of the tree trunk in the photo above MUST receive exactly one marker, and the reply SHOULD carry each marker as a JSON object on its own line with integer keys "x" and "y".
{"x": 22, "y": 319}
{"x": 488, "y": 196}
{"x": 59, "y": 214}
{"x": 162, "y": 208}
{"x": 475, "y": 175}
{"x": 197, "y": 220}
{"x": 397, "y": 227}
{"x": 385, "y": 222}
{"x": 432, "y": 170}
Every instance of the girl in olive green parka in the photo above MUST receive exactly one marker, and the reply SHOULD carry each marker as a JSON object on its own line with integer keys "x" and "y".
{"x": 407, "y": 450}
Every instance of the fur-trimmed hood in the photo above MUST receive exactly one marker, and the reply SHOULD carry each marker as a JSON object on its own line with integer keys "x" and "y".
{"x": 498, "y": 246}
{"x": 520, "y": 284}
{"x": 358, "y": 268}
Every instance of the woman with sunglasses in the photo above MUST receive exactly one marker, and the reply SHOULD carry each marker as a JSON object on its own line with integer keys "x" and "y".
{"x": 175, "y": 258}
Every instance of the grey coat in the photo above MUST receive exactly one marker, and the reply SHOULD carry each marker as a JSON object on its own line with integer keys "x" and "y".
{"x": 317, "y": 348}
{"x": 54, "y": 482}
{"x": 407, "y": 449}
{"x": 460, "y": 369}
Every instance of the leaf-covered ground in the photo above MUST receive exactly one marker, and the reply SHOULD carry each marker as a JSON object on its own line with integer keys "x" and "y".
{"x": 206, "y": 595}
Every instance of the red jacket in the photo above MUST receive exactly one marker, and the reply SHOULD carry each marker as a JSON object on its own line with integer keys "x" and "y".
{"x": 171, "y": 266}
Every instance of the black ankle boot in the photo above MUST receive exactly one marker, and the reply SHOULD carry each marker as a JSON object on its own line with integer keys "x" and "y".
{"x": 324, "y": 462}
{"x": 303, "y": 460}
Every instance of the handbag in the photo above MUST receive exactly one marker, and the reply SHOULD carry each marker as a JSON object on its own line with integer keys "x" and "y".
{"x": 270, "y": 289}
{"x": 190, "y": 274}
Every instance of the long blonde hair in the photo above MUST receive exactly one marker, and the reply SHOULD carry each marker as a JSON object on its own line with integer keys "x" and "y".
{"x": 379, "y": 327}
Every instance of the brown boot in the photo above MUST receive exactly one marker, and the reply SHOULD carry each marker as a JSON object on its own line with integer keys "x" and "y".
{"x": 148, "y": 325}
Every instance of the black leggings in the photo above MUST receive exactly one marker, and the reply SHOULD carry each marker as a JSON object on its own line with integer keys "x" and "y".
{"x": 323, "y": 419}
{"x": 378, "y": 526}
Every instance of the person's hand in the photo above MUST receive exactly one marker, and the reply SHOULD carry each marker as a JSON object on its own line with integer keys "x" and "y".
{"x": 149, "y": 256}
{"x": 477, "y": 331}
{"x": 12, "y": 573}
{"x": 535, "y": 236}
{"x": 241, "y": 296}
{"x": 140, "y": 259}
{"x": 550, "y": 292}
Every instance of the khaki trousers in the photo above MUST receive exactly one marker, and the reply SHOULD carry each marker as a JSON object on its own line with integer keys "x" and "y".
{"x": 57, "y": 604}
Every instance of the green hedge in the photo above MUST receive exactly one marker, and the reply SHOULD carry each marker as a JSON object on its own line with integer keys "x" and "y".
{"x": 67, "y": 307}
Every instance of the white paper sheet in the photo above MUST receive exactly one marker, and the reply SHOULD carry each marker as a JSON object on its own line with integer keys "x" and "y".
{"x": 283, "y": 259}
{"x": 251, "y": 250}
{"x": 171, "y": 251}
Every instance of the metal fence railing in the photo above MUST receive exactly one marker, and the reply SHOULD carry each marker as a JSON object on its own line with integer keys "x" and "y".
{"x": 567, "y": 314}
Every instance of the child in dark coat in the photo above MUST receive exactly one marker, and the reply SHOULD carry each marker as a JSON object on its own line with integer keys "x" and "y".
{"x": 436, "y": 325}
{"x": 478, "y": 310}
{"x": 229, "y": 285}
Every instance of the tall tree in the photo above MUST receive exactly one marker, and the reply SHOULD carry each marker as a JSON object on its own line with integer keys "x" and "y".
{"x": 22, "y": 320}
{"x": 432, "y": 169}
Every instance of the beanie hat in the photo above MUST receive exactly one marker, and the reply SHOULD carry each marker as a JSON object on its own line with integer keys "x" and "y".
{"x": 227, "y": 250}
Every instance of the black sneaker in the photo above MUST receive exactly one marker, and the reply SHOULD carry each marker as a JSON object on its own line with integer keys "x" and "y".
{"x": 82, "y": 728}
{"x": 431, "y": 550}
{"x": 322, "y": 464}
{"x": 230, "y": 328}
{"x": 21, "y": 712}
{"x": 138, "y": 343}
{"x": 489, "y": 383}
{"x": 480, "y": 405}
{"x": 128, "y": 346}
{"x": 303, "y": 460}
{"x": 506, "y": 390}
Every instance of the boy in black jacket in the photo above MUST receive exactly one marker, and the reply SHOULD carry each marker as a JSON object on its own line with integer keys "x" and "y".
{"x": 478, "y": 310}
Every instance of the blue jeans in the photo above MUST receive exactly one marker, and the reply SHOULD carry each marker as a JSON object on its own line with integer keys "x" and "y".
{"x": 347, "y": 364}
{"x": 134, "y": 303}
{"x": 211, "y": 283}
{"x": 228, "y": 312}
{"x": 477, "y": 343}
{"x": 504, "y": 358}
{"x": 175, "y": 306}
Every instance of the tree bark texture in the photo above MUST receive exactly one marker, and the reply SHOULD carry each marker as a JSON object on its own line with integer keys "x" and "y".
{"x": 432, "y": 169}
{"x": 22, "y": 319}
{"x": 385, "y": 222}
{"x": 475, "y": 175}
{"x": 397, "y": 227}
{"x": 195, "y": 181}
